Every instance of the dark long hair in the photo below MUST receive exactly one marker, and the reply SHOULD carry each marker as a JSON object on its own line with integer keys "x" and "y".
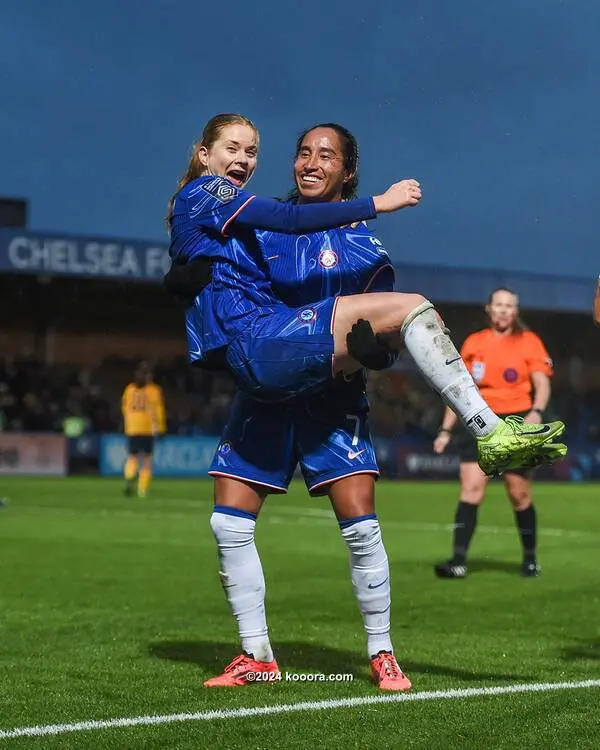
{"x": 349, "y": 152}
{"x": 518, "y": 326}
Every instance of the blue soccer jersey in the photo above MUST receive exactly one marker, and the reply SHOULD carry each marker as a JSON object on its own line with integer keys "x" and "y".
{"x": 337, "y": 262}
{"x": 288, "y": 352}
{"x": 202, "y": 213}
{"x": 326, "y": 432}
{"x": 213, "y": 218}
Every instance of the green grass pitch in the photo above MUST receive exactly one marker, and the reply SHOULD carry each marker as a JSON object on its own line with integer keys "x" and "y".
{"x": 111, "y": 607}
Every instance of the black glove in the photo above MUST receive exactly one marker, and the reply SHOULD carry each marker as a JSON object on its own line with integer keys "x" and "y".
{"x": 369, "y": 348}
{"x": 185, "y": 280}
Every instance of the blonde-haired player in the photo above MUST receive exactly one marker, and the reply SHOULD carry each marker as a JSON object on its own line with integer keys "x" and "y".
{"x": 143, "y": 408}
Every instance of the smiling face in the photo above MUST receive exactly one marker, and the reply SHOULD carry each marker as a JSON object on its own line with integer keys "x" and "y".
{"x": 228, "y": 147}
{"x": 319, "y": 168}
{"x": 233, "y": 154}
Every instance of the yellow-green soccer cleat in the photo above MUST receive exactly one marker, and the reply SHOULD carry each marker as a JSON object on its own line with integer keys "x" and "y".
{"x": 515, "y": 444}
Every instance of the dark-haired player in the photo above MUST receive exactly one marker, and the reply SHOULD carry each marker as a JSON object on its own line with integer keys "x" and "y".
{"x": 327, "y": 432}
{"x": 275, "y": 354}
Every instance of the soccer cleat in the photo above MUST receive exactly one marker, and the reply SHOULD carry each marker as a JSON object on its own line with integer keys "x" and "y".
{"x": 515, "y": 444}
{"x": 141, "y": 494}
{"x": 243, "y": 670}
{"x": 450, "y": 569}
{"x": 530, "y": 569}
{"x": 548, "y": 453}
{"x": 386, "y": 672}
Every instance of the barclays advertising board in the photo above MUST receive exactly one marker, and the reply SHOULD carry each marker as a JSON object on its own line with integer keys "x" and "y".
{"x": 173, "y": 456}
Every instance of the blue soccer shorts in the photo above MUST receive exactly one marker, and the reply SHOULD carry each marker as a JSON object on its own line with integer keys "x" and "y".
{"x": 263, "y": 444}
{"x": 285, "y": 352}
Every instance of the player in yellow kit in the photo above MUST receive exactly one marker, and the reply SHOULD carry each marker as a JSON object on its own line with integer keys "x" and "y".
{"x": 143, "y": 408}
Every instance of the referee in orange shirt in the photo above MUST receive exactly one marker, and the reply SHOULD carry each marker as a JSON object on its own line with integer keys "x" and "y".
{"x": 512, "y": 368}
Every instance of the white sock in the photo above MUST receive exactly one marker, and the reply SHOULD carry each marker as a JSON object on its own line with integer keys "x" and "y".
{"x": 370, "y": 578}
{"x": 242, "y": 579}
{"x": 442, "y": 366}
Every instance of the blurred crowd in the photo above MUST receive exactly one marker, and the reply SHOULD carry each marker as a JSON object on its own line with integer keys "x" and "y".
{"x": 37, "y": 397}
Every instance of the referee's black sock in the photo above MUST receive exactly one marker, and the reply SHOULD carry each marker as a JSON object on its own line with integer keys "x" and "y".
{"x": 465, "y": 521}
{"x": 526, "y": 522}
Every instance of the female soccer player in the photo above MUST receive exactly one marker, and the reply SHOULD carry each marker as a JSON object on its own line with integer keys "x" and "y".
{"x": 513, "y": 370}
{"x": 326, "y": 432}
{"x": 276, "y": 353}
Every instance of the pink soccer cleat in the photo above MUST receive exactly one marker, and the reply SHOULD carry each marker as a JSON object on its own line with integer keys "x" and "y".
{"x": 386, "y": 672}
{"x": 245, "y": 670}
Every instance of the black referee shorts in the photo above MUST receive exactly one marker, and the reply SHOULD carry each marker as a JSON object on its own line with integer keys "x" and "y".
{"x": 140, "y": 444}
{"x": 467, "y": 446}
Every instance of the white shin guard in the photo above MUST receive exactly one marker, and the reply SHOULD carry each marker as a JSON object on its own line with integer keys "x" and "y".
{"x": 243, "y": 580}
{"x": 442, "y": 366}
{"x": 371, "y": 580}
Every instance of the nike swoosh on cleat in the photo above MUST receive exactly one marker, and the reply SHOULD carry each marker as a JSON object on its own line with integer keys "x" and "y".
{"x": 377, "y": 585}
{"x": 450, "y": 361}
{"x": 541, "y": 431}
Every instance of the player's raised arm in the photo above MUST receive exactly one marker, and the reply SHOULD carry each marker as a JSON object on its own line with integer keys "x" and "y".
{"x": 215, "y": 203}
{"x": 263, "y": 213}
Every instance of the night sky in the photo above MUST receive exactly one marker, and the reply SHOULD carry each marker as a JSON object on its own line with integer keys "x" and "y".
{"x": 494, "y": 107}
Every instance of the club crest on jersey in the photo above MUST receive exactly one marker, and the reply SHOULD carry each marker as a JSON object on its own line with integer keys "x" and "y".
{"x": 307, "y": 315}
{"x": 478, "y": 371}
{"x": 328, "y": 259}
{"x": 225, "y": 448}
{"x": 221, "y": 189}
{"x": 510, "y": 375}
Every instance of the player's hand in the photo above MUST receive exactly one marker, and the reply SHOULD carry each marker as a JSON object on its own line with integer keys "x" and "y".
{"x": 399, "y": 195}
{"x": 185, "y": 280}
{"x": 533, "y": 418}
{"x": 441, "y": 442}
{"x": 367, "y": 347}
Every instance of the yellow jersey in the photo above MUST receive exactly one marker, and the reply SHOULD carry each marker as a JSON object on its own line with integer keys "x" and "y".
{"x": 143, "y": 410}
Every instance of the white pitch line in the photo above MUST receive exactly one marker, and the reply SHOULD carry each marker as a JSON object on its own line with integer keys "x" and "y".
{"x": 320, "y": 514}
{"x": 287, "y": 708}
{"x": 307, "y": 515}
